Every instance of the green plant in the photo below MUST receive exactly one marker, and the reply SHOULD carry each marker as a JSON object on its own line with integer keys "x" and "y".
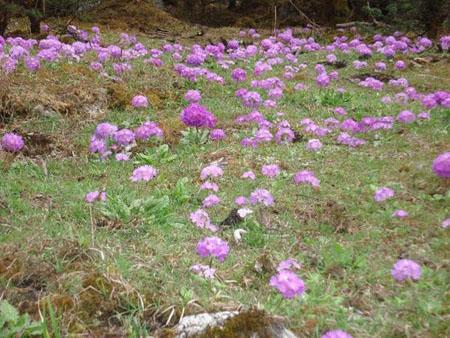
{"x": 13, "y": 324}
{"x": 194, "y": 136}
{"x": 156, "y": 156}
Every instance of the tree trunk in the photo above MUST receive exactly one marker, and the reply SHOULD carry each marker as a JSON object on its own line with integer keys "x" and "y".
{"x": 4, "y": 18}
{"x": 35, "y": 24}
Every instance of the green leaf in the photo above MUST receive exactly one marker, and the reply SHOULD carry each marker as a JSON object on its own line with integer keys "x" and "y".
{"x": 8, "y": 313}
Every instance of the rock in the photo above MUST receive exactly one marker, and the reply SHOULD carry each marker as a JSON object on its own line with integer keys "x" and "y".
{"x": 252, "y": 324}
{"x": 43, "y": 111}
{"x": 196, "y": 324}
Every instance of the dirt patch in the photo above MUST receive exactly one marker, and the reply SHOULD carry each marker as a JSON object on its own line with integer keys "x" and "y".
{"x": 331, "y": 213}
{"x": 142, "y": 15}
{"x": 380, "y": 77}
{"x": 66, "y": 91}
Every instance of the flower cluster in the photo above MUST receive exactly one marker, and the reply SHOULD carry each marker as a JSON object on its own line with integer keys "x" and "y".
{"x": 196, "y": 115}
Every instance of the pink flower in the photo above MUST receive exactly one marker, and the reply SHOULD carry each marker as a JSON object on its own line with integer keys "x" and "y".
{"x": 241, "y": 200}
{"x": 400, "y": 65}
{"x": 406, "y": 269}
{"x": 122, "y": 157}
{"x": 210, "y": 201}
{"x": 261, "y": 196}
{"x": 204, "y": 271}
{"x": 340, "y": 111}
{"x": 12, "y": 142}
{"x": 139, "y": 101}
{"x": 143, "y": 173}
{"x": 323, "y": 80}
{"x": 445, "y": 223}
{"x": 288, "y": 264}
{"x": 211, "y": 171}
{"x": 336, "y": 334}
{"x": 213, "y": 246}
{"x": 193, "y": 96}
{"x": 424, "y": 115}
{"x": 201, "y": 219}
{"x": 248, "y": 175}
{"x": 217, "y": 134}
{"x": 124, "y": 137}
{"x": 270, "y": 170}
{"x": 314, "y": 145}
{"x": 383, "y": 194}
{"x": 288, "y": 284}
{"x": 400, "y": 213}
{"x": 406, "y": 117}
{"x": 93, "y": 196}
{"x": 209, "y": 186}
{"x": 308, "y": 177}
{"x": 441, "y": 165}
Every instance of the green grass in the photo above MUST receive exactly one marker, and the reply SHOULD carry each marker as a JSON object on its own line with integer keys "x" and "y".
{"x": 138, "y": 269}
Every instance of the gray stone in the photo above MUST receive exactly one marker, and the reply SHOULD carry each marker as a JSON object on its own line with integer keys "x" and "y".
{"x": 194, "y": 325}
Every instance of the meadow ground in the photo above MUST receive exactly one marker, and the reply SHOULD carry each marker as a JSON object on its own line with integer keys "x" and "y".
{"x": 135, "y": 277}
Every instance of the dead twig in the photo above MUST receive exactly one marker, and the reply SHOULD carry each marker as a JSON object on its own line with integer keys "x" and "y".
{"x": 315, "y": 25}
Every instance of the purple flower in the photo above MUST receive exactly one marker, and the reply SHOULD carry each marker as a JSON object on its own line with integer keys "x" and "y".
{"x": 383, "y": 194}
{"x": 204, "y": 271}
{"x": 241, "y": 200}
{"x": 406, "y": 117}
{"x": 213, "y": 246}
{"x": 217, "y": 134}
{"x": 201, "y": 219}
{"x": 211, "y": 171}
{"x": 193, "y": 96}
{"x": 284, "y": 136}
{"x": 331, "y": 58}
{"x": 340, "y": 111}
{"x": 288, "y": 264}
{"x": 445, "y": 223}
{"x": 252, "y": 99}
{"x": 209, "y": 186}
{"x": 323, "y": 80}
{"x": 97, "y": 146}
{"x": 261, "y": 196}
{"x": 308, "y": 177}
{"x": 143, "y": 173}
{"x": 239, "y": 75}
{"x": 32, "y": 63}
{"x": 105, "y": 130}
{"x": 441, "y": 165}
{"x": 288, "y": 284}
{"x": 406, "y": 269}
{"x": 270, "y": 170}
{"x": 147, "y": 130}
{"x": 123, "y": 137}
{"x": 424, "y": 115}
{"x": 139, "y": 101}
{"x": 380, "y": 66}
{"x": 210, "y": 201}
{"x": 122, "y": 157}
{"x": 12, "y": 142}
{"x": 346, "y": 139}
{"x": 196, "y": 115}
{"x": 336, "y": 334}
{"x": 95, "y": 196}
{"x": 400, "y": 213}
{"x": 400, "y": 65}
{"x": 248, "y": 175}
{"x": 314, "y": 145}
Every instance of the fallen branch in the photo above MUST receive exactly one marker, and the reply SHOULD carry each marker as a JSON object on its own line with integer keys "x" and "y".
{"x": 316, "y": 26}
{"x": 353, "y": 23}
{"x": 361, "y": 23}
